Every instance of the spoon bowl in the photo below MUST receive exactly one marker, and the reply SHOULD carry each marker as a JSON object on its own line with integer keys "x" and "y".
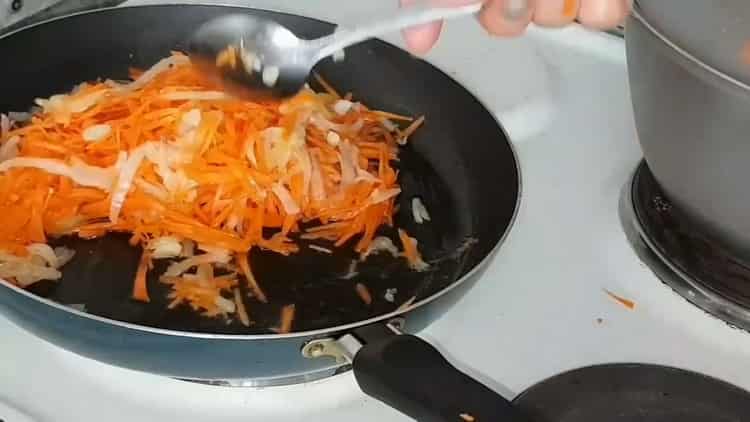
{"x": 256, "y": 56}
{"x": 253, "y": 55}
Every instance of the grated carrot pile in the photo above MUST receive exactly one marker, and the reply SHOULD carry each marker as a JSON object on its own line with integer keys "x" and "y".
{"x": 196, "y": 176}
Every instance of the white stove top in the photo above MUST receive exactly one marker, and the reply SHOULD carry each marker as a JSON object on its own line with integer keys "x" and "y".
{"x": 540, "y": 308}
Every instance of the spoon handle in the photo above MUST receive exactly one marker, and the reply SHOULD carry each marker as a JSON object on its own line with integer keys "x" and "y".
{"x": 404, "y": 18}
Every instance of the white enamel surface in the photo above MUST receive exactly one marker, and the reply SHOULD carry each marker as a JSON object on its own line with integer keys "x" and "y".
{"x": 564, "y": 97}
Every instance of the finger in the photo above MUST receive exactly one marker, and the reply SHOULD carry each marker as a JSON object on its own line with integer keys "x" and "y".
{"x": 421, "y": 38}
{"x": 555, "y": 12}
{"x": 603, "y": 14}
{"x": 507, "y": 17}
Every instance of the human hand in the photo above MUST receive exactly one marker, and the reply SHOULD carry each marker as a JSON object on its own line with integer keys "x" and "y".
{"x": 511, "y": 17}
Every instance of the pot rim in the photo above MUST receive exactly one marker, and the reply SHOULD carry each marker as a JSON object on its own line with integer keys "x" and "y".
{"x": 637, "y": 14}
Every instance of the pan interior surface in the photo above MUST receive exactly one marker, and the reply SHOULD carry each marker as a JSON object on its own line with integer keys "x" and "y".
{"x": 460, "y": 164}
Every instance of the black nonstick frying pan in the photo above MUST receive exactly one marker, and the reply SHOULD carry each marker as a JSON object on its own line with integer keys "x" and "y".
{"x": 631, "y": 392}
{"x": 460, "y": 163}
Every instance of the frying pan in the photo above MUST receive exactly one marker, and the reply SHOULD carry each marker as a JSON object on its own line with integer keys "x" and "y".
{"x": 460, "y": 164}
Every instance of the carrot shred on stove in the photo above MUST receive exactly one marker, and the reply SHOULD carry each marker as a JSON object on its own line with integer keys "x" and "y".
{"x": 196, "y": 176}
{"x": 621, "y": 300}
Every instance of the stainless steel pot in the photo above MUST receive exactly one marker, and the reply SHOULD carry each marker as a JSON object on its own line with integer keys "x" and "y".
{"x": 690, "y": 88}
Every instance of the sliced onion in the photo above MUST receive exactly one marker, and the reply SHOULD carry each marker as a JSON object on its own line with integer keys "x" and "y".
{"x": 205, "y": 272}
{"x": 348, "y": 155}
{"x": 177, "y": 268}
{"x": 165, "y": 247}
{"x": 365, "y": 176}
{"x": 9, "y": 149}
{"x": 151, "y": 189}
{"x": 281, "y": 192}
{"x": 62, "y": 106}
{"x": 390, "y": 294}
{"x": 377, "y": 196}
{"x": 225, "y": 305}
{"x": 80, "y": 172}
{"x": 418, "y": 210}
{"x": 356, "y": 126}
{"x": 270, "y": 75}
{"x": 45, "y": 252}
{"x": 341, "y": 107}
{"x": 96, "y": 133}
{"x": 325, "y": 124}
{"x": 388, "y": 125}
{"x": 195, "y": 96}
{"x": 305, "y": 162}
{"x": 241, "y": 311}
{"x": 175, "y": 182}
{"x": 24, "y": 269}
{"x": 4, "y": 124}
{"x": 19, "y": 116}
{"x": 160, "y": 66}
{"x": 26, "y": 273}
{"x": 125, "y": 181}
{"x": 216, "y": 251}
{"x": 190, "y": 121}
{"x": 317, "y": 185}
{"x": 188, "y": 248}
{"x": 333, "y": 138}
{"x": 64, "y": 255}
{"x": 381, "y": 244}
{"x": 281, "y": 149}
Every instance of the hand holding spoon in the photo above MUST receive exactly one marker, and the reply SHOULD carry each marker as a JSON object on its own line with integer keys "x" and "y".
{"x": 264, "y": 57}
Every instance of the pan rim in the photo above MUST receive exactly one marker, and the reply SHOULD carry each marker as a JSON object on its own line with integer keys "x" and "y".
{"x": 720, "y": 75}
{"x": 298, "y": 334}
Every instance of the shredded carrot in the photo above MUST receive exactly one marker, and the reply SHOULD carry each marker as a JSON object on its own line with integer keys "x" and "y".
{"x": 364, "y": 293}
{"x": 329, "y": 89}
{"x": 241, "y": 311}
{"x": 244, "y": 264}
{"x": 140, "y": 292}
{"x": 170, "y": 158}
{"x": 621, "y": 300}
{"x": 411, "y": 129}
{"x": 286, "y": 319}
{"x": 320, "y": 249}
{"x": 411, "y": 253}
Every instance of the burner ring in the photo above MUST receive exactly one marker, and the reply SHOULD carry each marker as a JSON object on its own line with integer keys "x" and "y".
{"x": 675, "y": 255}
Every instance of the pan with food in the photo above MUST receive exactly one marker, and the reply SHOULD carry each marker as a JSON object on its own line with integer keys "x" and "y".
{"x": 154, "y": 222}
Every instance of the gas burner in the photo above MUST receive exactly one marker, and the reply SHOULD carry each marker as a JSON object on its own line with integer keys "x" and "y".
{"x": 693, "y": 265}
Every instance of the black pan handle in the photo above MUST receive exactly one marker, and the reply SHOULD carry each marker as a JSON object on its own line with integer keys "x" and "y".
{"x": 410, "y": 375}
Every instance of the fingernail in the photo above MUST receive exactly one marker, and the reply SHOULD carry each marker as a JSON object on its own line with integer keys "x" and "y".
{"x": 516, "y": 9}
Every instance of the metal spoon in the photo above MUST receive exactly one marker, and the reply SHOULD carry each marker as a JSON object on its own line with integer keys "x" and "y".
{"x": 250, "y": 53}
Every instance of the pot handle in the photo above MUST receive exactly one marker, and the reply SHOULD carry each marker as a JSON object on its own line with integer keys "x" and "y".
{"x": 410, "y": 375}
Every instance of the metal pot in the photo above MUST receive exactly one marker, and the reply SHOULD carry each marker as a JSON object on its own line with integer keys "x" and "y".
{"x": 691, "y": 96}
